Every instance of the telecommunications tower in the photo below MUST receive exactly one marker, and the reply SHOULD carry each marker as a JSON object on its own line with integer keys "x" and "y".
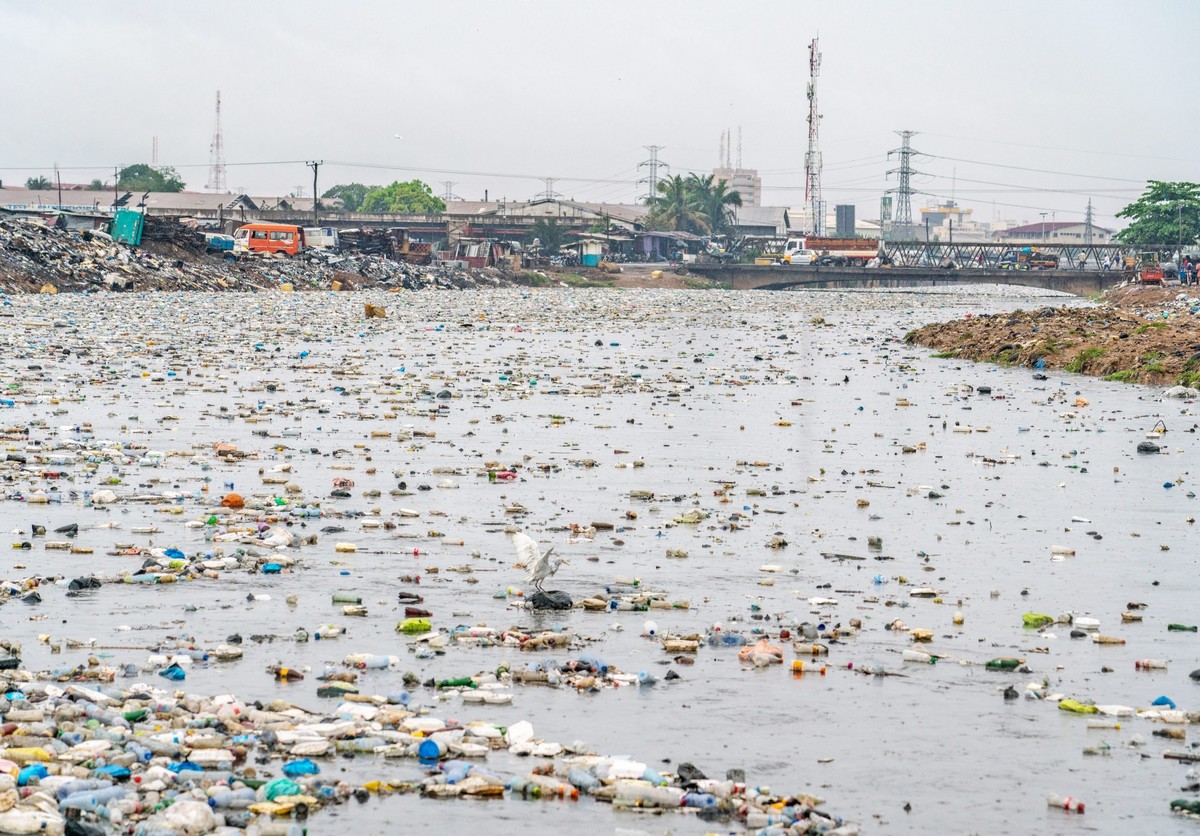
{"x": 216, "y": 161}
{"x": 812, "y": 159}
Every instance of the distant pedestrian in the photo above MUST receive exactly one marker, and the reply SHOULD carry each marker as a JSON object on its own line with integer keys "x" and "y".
{"x": 1082, "y": 257}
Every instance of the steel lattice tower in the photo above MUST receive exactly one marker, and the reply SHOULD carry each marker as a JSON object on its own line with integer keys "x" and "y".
{"x": 654, "y": 163}
{"x": 812, "y": 159}
{"x": 216, "y": 162}
{"x": 902, "y": 215}
{"x": 549, "y": 194}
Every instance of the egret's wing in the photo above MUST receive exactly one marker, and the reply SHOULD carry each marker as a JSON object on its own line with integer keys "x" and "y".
{"x": 528, "y": 552}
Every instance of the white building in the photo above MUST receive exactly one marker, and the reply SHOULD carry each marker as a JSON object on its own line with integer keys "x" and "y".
{"x": 744, "y": 181}
{"x": 1053, "y": 232}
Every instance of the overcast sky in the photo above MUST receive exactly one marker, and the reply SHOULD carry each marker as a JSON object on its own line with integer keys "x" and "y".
{"x": 496, "y": 95}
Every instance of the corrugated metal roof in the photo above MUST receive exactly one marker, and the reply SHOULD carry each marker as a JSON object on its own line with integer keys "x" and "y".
{"x": 623, "y": 212}
{"x": 183, "y": 201}
{"x": 775, "y": 216}
{"x": 1052, "y": 226}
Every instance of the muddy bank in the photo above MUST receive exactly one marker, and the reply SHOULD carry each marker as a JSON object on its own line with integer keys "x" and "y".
{"x": 1137, "y": 335}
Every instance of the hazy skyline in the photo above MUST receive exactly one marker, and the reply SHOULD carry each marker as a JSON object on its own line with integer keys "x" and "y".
{"x": 1021, "y": 107}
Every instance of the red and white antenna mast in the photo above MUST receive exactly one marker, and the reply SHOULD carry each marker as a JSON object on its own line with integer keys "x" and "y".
{"x": 812, "y": 159}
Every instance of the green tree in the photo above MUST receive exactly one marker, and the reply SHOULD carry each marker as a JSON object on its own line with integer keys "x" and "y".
{"x": 352, "y": 195}
{"x": 410, "y": 198}
{"x": 1166, "y": 213}
{"x": 96, "y": 186}
{"x": 716, "y": 201}
{"x": 676, "y": 207}
{"x": 549, "y": 233}
{"x": 146, "y": 178}
{"x": 38, "y": 183}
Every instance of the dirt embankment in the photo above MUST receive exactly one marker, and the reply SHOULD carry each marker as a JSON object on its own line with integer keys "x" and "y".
{"x": 1139, "y": 334}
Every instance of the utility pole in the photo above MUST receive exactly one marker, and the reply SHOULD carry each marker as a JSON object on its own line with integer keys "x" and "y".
{"x": 812, "y": 158}
{"x": 114, "y": 188}
{"x": 1087, "y": 224}
{"x": 58, "y": 177}
{"x": 904, "y": 190}
{"x": 314, "y": 165}
{"x": 654, "y": 163}
{"x": 1043, "y": 214}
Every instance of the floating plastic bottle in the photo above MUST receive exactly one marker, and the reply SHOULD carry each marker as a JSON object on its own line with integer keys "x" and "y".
{"x": 1066, "y": 802}
{"x": 238, "y": 799}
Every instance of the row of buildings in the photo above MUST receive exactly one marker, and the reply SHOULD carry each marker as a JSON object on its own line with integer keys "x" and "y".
{"x": 511, "y": 219}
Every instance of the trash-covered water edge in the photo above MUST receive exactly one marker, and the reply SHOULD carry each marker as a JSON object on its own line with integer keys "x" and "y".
{"x": 1141, "y": 334}
{"x": 635, "y": 561}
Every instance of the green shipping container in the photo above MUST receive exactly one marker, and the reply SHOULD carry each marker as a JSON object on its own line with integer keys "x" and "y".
{"x": 127, "y": 226}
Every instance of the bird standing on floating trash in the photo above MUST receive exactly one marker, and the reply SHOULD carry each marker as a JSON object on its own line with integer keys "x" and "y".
{"x": 538, "y": 565}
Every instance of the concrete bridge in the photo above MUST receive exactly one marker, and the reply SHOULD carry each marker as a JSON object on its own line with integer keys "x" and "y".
{"x": 783, "y": 277}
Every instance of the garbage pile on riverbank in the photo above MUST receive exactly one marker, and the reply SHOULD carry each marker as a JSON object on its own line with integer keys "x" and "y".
{"x": 35, "y": 257}
{"x": 1139, "y": 335}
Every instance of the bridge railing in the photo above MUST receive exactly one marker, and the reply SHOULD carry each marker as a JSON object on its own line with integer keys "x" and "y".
{"x": 990, "y": 255}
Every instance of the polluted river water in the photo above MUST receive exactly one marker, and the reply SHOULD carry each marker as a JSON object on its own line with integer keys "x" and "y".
{"x": 776, "y": 461}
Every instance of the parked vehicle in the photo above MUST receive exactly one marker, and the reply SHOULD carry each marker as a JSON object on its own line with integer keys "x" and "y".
{"x": 834, "y": 252}
{"x": 268, "y": 238}
{"x": 323, "y": 237}
{"x": 216, "y": 242}
{"x": 404, "y": 248}
{"x": 1027, "y": 258}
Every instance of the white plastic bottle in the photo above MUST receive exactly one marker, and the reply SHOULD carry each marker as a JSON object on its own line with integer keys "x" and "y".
{"x": 1065, "y": 801}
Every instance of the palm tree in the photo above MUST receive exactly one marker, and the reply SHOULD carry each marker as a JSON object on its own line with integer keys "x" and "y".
{"x": 716, "y": 201}
{"x": 676, "y": 207}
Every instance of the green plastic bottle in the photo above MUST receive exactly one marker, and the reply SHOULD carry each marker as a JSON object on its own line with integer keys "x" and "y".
{"x": 1004, "y": 664}
{"x": 1181, "y": 628}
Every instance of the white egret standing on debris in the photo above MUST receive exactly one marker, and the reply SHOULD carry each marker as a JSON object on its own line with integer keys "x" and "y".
{"x": 539, "y": 565}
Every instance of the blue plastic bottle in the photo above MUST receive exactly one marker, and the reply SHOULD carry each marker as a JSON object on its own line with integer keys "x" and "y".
{"x": 582, "y": 780}
{"x": 232, "y": 799}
